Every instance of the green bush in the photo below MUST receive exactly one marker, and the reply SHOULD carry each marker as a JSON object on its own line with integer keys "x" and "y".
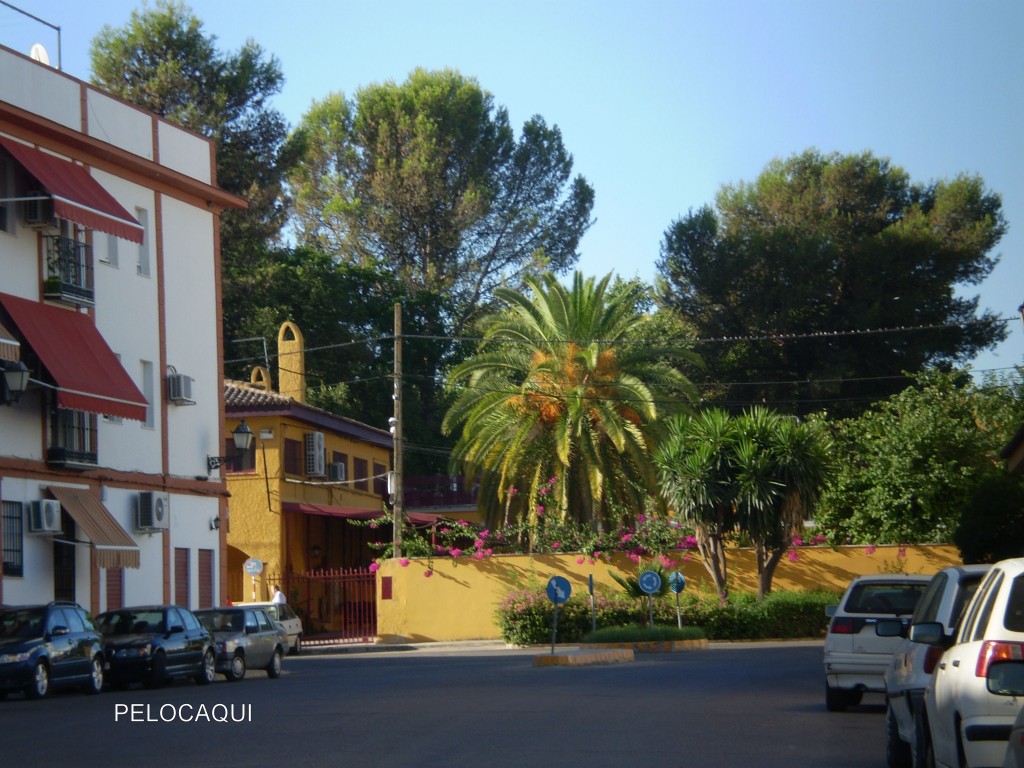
{"x": 525, "y": 617}
{"x": 640, "y": 633}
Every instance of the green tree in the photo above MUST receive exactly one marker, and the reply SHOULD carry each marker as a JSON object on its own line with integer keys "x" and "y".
{"x": 909, "y": 467}
{"x": 163, "y": 60}
{"x": 426, "y": 180}
{"x": 568, "y": 383}
{"x": 788, "y": 278}
{"x": 756, "y": 474}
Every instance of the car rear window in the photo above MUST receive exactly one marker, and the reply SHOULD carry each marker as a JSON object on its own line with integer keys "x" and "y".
{"x": 880, "y": 597}
{"x": 1014, "y": 619}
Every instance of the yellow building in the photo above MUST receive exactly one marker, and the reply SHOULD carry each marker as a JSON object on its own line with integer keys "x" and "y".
{"x": 307, "y": 473}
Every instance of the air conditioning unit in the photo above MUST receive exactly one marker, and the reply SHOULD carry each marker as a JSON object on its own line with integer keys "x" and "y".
{"x": 44, "y": 516}
{"x": 179, "y": 389}
{"x": 315, "y": 454}
{"x": 39, "y": 210}
{"x": 338, "y": 472}
{"x": 153, "y": 512}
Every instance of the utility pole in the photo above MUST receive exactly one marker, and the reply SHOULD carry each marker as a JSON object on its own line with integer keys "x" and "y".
{"x": 397, "y": 497}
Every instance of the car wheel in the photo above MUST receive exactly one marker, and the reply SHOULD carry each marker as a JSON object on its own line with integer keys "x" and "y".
{"x": 897, "y": 751}
{"x": 208, "y": 672}
{"x": 296, "y": 646}
{"x": 40, "y": 683}
{"x": 274, "y": 667}
{"x": 236, "y": 670}
{"x": 835, "y": 699}
{"x": 95, "y": 682}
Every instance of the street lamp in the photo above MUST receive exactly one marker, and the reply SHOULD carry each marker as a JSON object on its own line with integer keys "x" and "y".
{"x": 15, "y": 381}
{"x": 243, "y": 438}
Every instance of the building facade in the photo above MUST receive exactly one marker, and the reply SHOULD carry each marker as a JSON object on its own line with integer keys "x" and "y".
{"x": 110, "y": 299}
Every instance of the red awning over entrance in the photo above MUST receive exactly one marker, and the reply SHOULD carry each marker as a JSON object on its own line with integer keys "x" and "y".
{"x": 352, "y": 513}
{"x": 76, "y": 195}
{"x": 88, "y": 375}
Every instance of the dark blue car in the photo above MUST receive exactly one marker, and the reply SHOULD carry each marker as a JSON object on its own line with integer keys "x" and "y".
{"x": 48, "y": 646}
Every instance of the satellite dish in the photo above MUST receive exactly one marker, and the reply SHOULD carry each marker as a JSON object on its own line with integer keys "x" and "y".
{"x": 38, "y": 53}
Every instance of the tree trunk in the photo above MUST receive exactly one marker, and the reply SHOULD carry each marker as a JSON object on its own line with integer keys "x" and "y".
{"x": 766, "y": 570}
{"x": 712, "y": 552}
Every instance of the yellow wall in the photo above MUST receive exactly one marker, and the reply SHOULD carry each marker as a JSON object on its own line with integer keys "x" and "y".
{"x": 458, "y": 601}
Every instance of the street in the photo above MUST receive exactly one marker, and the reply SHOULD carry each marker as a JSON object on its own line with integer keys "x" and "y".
{"x": 728, "y": 705}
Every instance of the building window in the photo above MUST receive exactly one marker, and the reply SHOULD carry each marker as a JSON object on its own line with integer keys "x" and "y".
{"x": 294, "y": 456}
{"x": 14, "y": 538}
{"x": 181, "y": 569}
{"x": 142, "y": 215}
{"x": 380, "y": 480}
{"x": 73, "y": 439}
{"x": 115, "y": 588}
{"x": 361, "y": 467}
{"x": 206, "y": 575}
{"x": 148, "y": 390}
{"x": 108, "y": 254}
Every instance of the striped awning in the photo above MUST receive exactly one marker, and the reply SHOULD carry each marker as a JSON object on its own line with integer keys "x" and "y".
{"x": 112, "y": 546}
{"x": 10, "y": 347}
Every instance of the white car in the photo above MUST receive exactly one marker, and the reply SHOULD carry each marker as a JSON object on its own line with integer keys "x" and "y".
{"x": 283, "y": 614}
{"x": 856, "y": 657}
{"x": 913, "y": 663}
{"x": 966, "y": 723}
{"x": 1006, "y": 678}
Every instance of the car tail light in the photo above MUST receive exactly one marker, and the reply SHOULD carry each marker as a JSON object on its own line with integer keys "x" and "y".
{"x": 841, "y": 626}
{"x": 931, "y": 658}
{"x": 995, "y": 650}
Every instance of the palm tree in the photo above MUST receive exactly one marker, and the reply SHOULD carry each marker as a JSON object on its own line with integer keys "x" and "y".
{"x": 561, "y": 398}
{"x": 759, "y": 474}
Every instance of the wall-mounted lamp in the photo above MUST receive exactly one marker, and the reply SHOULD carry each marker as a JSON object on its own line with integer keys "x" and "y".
{"x": 14, "y": 381}
{"x": 215, "y": 523}
{"x": 243, "y": 438}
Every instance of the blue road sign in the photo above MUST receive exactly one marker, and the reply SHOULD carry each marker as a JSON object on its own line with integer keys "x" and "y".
{"x": 253, "y": 566}
{"x": 559, "y": 589}
{"x": 650, "y": 582}
{"x": 677, "y": 582}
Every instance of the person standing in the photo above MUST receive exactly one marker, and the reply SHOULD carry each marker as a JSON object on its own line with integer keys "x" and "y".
{"x": 278, "y": 595}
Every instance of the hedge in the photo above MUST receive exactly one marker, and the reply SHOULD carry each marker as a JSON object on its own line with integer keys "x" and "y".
{"x": 525, "y": 617}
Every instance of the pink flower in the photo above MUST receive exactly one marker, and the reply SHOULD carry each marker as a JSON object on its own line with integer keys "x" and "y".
{"x": 597, "y": 554}
{"x": 901, "y": 552}
{"x": 374, "y": 567}
{"x": 478, "y": 555}
{"x": 404, "y": 562}
{"x": 626, "y": 537}
{"x": 373, "y": 525}
{"x": 512, "y": 491}
{"x": 555, "y": 545}
{"x": 869, "y": 549}
{"x": 543, "y": 491}
{"x": 484, "y": 533}
{"x": 793, "y": 555}
{"x": 797, "y": 541}
{"x": 591, "y": 560}
{"x": 819, "y": 539}
{"x": 579, "y": 561}
{"x": 488, "y": 551}
{"x": 455, "y": 551}
{"x": 463, "y": 523}
{"x": 634, "y": 557}
{"x": 479, "y": 543}
{"x": 427, "y": 574}
{"x": 540, "y": 510}
{"x": 641, "y": 518}
{"x": 552, "y": 480}
{"x": 445, "y": 530}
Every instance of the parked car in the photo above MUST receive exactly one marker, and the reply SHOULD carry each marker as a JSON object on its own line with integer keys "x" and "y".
{"x": 913, "y": 663}
{"x": 855, "y": 656}
{"x": 964, "y": 722}
{"x": 48, "y": 646}
{"x": 245, "y": 637}
{"x": 1006, "y": 678}
{"x": 283, "y": 614}
{"x": 150, "y": 644}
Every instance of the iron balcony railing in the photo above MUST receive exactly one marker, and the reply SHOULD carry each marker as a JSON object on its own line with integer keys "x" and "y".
{"x": 68, "y": 271}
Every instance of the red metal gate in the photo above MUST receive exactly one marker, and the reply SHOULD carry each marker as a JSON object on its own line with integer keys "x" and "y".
{"x": 335, "y": 604}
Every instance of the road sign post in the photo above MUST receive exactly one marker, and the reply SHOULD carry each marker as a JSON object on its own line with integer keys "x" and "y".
{"x": 559, "y": 590}
{"x": 254, "y": 568}
{"x": 677, "y": 583}
{"x": 650, "y": 583}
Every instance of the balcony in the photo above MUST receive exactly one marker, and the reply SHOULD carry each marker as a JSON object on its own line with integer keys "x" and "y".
{"x": 72, "y": 440}
{"x": 68, "y": 271}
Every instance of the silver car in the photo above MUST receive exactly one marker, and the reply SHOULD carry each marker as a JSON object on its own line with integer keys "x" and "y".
{"x": 245, "y": 637}
{"x": 283, "y": 614}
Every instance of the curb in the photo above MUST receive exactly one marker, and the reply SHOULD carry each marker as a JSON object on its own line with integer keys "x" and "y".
{"x": 585, "y": 659}
{"x": 654, "y": 646}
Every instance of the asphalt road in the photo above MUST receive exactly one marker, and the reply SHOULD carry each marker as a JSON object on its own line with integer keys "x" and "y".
{"x": 728, "y": 706}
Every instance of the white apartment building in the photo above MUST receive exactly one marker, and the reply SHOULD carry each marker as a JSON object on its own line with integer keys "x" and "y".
{"x": 110, "y": 298}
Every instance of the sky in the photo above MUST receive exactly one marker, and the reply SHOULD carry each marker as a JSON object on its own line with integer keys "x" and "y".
{"x": 662, "y": 102}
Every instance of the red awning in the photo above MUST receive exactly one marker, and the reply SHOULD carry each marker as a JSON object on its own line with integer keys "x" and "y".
{"x": 10, "y": 347}
{"x": 76, "y": 195}
{"x": 88, "y": 375}
{"x": 352, "y": 513}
